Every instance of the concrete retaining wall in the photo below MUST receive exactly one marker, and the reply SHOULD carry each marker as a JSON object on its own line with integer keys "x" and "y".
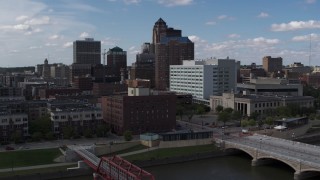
{"x": 184, "y": 143}
{"x": 180, "y": 159}
{"x": 53, "y": 175}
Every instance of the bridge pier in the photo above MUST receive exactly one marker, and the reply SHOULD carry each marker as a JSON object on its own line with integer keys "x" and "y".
{"x": 305, "y": 175}
{"x": 260, "y": 162}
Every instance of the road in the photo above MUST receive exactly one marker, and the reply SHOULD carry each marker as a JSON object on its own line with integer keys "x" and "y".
{"x": 285, "y": 148}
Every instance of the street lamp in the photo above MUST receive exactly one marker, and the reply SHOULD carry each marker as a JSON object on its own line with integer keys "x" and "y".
{"x": 222, "y": 133}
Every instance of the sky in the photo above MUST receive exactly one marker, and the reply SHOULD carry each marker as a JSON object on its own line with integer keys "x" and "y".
{"x": 245, "y": 30}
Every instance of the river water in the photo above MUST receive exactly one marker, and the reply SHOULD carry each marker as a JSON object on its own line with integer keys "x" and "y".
{"x": 219, "y": 168}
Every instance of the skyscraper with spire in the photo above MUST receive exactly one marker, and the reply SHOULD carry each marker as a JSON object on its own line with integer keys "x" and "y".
{"x": 170, "y": 48}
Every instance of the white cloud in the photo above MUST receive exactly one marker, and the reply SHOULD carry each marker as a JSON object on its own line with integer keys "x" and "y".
{"x": 51, "y": 44}
{"x": 55, "y": 36}
{"x": 263, "y": 41}
{"x": 35, "y": 47}
{"x": 233, "y": 36}
{"x": 22, "y": 18}
{"x": 84, "y": 35}
{"x": 306, "y": 37}
{"x": 171, "y": 3}
{"x": 263, "y": 15}
{"x": 310, "y": 1}
{"x": 222, "y": 17}
{"x": 225, "y": 17}
{"x": 67, "y": 44}
{"x": 109, "y": 41}
{"x": 38, "y": 21}
{"x": 133, "y": 50}
{"x": 296, "y": 25}
{"x": 210, "y": 23}
{"x": 81, "y": 7}
{"x": 131, "y": 1}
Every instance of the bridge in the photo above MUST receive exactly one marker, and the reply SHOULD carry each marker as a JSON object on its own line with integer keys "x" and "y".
{"x": 304, "y": 159}
{"x": 111, "y": 168}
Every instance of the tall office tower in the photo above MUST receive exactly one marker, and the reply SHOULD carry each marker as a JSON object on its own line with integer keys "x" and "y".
{"x": 143, "y": 68}
{"x": 272, "y": 64}
{"x": 170, "y": 48}
{"x": 170, "y": 51}
{"x": 87, "y": 51}
{"x": 116, "y": 59}
{"x": 46, "y": 69}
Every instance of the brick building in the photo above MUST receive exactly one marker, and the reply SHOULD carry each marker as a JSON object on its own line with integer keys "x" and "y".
{"x": 140, "y": 111}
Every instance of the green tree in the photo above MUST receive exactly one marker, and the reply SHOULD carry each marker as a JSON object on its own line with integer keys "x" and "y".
{"x": 244, "y": 123}
{"x": 127, "y": 135}
{"x": 200, "y": 110}
{"x": 102, "y": 130}
{"x": 228, "y": 110}
{"x": 219, "y": 108}
{"x": 269, "y": 121}
{"x": 49, "y": 136}
{"x": 252, "y": 122}
{"x": 88, "y": 133}
{"x": 68, "y": 132}
{"x": 17, "y": 137}
{"x": 42, "y": 125}
{"x": 37, "y": 136}
{"x": 224, "y": 117}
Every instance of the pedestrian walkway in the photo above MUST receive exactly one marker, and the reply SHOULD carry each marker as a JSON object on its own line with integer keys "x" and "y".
{"x": 36, "y": 167}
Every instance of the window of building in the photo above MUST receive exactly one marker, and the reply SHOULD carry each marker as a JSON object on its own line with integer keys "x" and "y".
{"x": 18, "y": 119}
{"x": 63, "y": 117}
{"x": 4, "y": 120}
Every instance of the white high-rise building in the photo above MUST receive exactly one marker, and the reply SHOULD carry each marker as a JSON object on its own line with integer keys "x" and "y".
{"x": 204, "y": 78}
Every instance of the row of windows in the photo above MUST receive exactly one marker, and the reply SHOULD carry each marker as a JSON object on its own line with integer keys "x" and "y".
{"x": 76, "y": 116}
{"x": 267, "y": 104}
{"x": 15, "y": 120}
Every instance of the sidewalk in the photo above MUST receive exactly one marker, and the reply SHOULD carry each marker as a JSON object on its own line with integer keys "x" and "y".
{"x": 138, "y": 152}
{"x": 36, "y": 167}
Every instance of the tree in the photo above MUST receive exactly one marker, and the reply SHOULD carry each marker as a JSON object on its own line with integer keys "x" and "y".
{"x": 37, "y": 136}
{"x": 42, "y": 125}
{"x": 50, "y": 136}
{"x": 200, "y": 110}
{"x": 17, "y": 137}
{"x": 219, "y": 108}
{"x": 269, "y": 121}
{"x": 244, "y": 123}
{"x": 224, "y": 117}
{"x": 68, "y": 132}
{"x": 102, "y": 130}
{"x": 127, "y": 135}
{"x": 228, "y": 110}
{"x": 252, "y": 122}
{"x": 88, "y": 133}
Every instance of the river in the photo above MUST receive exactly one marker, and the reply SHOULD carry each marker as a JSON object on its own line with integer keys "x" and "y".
{"x": 220, "y": 168}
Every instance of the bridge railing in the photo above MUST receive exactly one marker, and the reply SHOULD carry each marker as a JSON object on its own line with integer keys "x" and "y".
{"x": 279, "y": 156}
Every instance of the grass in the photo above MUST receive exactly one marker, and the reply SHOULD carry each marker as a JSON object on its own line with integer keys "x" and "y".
{"x": 172, "y": 152}
{"x": 33, "y": 171}
{"x": 131, "y": 149}
{"x": 11, "y": 159}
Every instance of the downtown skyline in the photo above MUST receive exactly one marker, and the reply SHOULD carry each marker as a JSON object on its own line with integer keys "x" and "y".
{"x": 33, "y": 30}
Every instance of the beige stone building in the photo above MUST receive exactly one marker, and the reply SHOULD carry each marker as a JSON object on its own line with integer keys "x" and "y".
{"x": 250, "y": 103}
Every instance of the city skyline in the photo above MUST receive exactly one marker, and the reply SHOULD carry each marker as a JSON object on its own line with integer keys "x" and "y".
{"x": 33, "y": 30}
